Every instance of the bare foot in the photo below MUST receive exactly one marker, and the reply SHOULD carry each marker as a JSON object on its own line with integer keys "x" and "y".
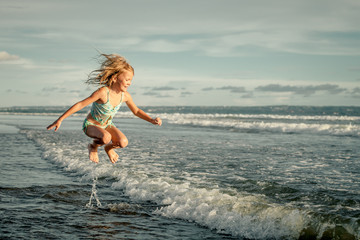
{"x": 113, "y": 156}
{"x": 93, "y": 153}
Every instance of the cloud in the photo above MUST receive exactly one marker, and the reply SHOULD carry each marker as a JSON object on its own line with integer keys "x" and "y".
{"x": 248, "y": 95}
{"x": 185, "y": 94}
{"x": 155, "y": 92}
{"x": 163, "y": 89}
{"x": 6, "y": 57}
{"x": 208, "y": 89}
{"x": 47, "y": 91}
{"x": 233, "y": 89}
{"x": 321, "y": 27}
{"x": 16, "y": 91}
{"x": 239, "y": 28}
{"x": 150, "y": 94}
{"x": 355, "y": 93}
{"x": 257, "y": 36}
{"x": 157, "y": 95}
{"x": 50, "y": 65}
{"x": 53, "y": 89}
{"x": 301, "y": 90}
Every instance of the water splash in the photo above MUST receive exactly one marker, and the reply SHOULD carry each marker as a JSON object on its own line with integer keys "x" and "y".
{"x": 93, "y": 195}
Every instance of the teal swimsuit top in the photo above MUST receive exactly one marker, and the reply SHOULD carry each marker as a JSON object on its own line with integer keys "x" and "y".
{"x": 104, "y": 112}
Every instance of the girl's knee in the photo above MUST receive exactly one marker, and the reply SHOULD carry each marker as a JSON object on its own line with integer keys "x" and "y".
{"x": 106, "y": 138}
{"x": 123, "y": 142}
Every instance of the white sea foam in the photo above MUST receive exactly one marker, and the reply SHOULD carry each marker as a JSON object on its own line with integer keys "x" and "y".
{"x": 225, "y": 210}
{"x": 247, "y": 216}
{"x": 333, "y": 129}
{"x": 251, "y": 216}
{"x": 174, "y": 116}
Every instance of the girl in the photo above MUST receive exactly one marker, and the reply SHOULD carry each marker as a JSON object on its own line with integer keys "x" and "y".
{"x": 115, "y": 74}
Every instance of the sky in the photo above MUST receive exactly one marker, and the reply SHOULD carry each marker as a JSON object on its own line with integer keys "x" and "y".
{"x": 184, "y": 52}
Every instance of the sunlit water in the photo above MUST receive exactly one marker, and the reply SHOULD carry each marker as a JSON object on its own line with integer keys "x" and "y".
{"x": 207, "y": 173}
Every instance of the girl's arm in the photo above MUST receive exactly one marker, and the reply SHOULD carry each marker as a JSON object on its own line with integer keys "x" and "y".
{"x": 75, "y": 108}
{"x": 140, "y": 113}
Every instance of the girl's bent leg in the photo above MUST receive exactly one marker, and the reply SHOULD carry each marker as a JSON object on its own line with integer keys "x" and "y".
{"x": 100, "y": 137}
{"x": 118, "y": 139}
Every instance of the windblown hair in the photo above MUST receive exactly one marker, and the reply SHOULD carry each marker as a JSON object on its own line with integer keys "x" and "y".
{"x": 112, "y": 65}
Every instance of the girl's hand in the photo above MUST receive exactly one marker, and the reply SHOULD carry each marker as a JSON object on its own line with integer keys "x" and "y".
{"x": 157, "y": 121}
{"x": 56, "y": 124}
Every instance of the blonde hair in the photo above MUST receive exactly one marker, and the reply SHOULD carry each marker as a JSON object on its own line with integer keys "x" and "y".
{"x": 112, "y": 65}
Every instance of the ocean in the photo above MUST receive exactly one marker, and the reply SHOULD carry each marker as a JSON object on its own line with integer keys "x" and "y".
{"x": 275, "y": 172}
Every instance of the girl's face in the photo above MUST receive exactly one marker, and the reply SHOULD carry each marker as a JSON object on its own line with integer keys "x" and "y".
{"x": 124, "y": 79}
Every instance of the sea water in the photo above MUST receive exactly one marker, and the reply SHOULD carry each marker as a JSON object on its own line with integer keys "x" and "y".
{"x": 208, "y": 173}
